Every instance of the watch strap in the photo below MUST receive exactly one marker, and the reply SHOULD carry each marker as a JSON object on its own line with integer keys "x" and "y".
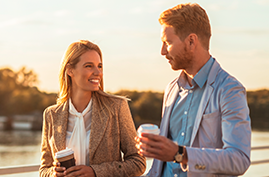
{"x": 180, "y": 149}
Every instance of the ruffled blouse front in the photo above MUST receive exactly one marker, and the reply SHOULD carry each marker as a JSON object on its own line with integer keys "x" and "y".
{"x": 78, "y": 133}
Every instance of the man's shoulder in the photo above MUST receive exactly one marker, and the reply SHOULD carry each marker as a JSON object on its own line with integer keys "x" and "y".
{"x": 225, "y": 78}
{"x": 225, "y": 83}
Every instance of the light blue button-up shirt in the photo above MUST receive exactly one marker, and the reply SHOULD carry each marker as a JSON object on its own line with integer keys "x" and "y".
{"x": 183, "y": 115}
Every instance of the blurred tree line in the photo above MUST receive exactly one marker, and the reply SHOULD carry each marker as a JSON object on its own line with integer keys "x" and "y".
{"x": 258, "y": 102}
{"x": 146, "y": 107}
{"x": 19, "y": 95}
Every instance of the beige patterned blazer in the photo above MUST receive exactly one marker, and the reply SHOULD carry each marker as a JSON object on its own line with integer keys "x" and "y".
{"x": 110, "y": 135}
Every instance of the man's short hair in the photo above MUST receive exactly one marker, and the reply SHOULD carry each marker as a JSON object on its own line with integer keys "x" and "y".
{"x": 186, "y": 19}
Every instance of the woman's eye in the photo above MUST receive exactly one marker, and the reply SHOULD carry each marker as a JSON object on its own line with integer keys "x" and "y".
{"x": 100, "y": 66}
{"x": 88, "y": 66}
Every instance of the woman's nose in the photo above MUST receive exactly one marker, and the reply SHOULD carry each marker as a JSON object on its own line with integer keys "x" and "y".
{"x": 97, "y": 71}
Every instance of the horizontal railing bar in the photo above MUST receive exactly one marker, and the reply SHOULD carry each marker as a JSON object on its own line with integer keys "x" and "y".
{"x": 259, "y": 162}
{"x": 31, "y": 168}
{"x": 18, "y": 169}
{"x": 259, "y": 147}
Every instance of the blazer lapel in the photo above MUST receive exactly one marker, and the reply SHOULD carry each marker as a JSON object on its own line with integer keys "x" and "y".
{"x": 60, "y": 121}
{"x": 168, "y": 107}
{"x": 168, "y": 104}
{"x": 99, "y": 123}
{"x": 205, "y": 99}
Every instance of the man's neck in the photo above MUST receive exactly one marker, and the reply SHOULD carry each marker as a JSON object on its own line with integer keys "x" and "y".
{"x": 189, "y": 77}
{"x": 198, "y": 63}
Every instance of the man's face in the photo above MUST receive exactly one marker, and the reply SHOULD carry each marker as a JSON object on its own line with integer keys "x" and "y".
{"x": 175, "y": 50}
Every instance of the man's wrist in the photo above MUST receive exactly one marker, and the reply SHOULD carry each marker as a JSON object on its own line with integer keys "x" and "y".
{"x": 185, "y": 156}
{"x": 178, "y": 158}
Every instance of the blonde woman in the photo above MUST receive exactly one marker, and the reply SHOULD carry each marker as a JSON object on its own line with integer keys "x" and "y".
{"x": 96, "y": 125}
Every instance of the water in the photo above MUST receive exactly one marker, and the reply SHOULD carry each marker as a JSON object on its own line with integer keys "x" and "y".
{"x": 23, "y": 148}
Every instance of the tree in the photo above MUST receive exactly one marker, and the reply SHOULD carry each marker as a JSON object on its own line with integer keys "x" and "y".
{"x": 146, "y": 107}
{"x": 26, "y": 78}
{"x": 19, "y": 95}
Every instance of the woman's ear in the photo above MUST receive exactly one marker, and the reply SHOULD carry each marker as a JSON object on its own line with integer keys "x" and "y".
{"x": 69, "y": 70}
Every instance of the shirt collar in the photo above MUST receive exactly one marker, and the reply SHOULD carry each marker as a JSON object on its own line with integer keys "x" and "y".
{"x": 199, "y": 79}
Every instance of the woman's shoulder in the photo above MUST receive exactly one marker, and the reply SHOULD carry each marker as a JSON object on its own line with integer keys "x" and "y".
{"x": 56, "y": 107}
{"x": 115, "y": 100}
{"x": 112, "y": 101}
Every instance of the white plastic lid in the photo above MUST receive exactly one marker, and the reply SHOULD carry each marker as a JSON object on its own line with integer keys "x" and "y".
{"x": 64, "y": 153}
{"x": 148, "y": 128}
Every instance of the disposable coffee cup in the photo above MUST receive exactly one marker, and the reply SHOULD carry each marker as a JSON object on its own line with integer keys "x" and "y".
{"x": 66, "y": 158}
{"x": 148, "y": 128}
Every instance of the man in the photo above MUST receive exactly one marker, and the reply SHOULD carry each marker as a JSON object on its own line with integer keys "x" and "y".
{"x": 205, "y": 127}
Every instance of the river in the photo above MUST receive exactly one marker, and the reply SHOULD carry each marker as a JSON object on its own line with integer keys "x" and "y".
{"x": 23, "y": 148}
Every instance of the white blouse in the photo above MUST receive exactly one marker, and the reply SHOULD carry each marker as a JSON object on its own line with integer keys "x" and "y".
{"x": 78, "y": 133}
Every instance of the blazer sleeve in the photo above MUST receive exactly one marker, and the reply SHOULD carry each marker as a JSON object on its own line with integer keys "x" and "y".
{"x": 233, "y": 158}
{"x": 133, "y": 163}
{"x": 46, "y": 167}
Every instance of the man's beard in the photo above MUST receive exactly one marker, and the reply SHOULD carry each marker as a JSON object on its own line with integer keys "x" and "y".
{"x": 183, "y": 60}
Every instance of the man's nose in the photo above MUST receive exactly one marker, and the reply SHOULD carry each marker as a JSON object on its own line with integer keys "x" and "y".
{"x": 164, "y": 50}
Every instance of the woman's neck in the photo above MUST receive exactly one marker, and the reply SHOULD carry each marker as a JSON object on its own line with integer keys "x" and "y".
{"x": 81, "y": 100}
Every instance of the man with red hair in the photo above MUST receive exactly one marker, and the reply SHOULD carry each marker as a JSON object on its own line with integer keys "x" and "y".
{"x": 205, "y": 128}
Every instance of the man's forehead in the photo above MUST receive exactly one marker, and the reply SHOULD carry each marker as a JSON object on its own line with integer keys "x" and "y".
{"x": 167, "y": 30}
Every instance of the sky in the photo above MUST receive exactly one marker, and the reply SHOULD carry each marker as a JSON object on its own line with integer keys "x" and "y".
{"x": 36, "y": 33}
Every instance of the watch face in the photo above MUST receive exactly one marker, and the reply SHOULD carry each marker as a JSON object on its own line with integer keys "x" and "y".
{"x": 179, "y": 157}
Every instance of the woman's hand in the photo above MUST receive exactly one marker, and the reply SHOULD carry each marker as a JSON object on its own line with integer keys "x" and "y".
{"x": 80, "y": 170}
{"x": 57, "y": 170}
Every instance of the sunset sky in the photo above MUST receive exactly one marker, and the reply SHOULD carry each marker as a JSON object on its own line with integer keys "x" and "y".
{"x": 36, "y": 33}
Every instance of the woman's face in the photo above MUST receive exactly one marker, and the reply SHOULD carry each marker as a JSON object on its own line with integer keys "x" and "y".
{"x": 88, "y": 72}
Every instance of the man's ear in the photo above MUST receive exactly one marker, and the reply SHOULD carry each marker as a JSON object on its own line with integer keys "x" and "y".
{"x": 192, "y": 41}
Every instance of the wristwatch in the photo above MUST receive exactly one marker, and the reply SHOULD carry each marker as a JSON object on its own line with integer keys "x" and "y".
{"x": 179, "y": 155}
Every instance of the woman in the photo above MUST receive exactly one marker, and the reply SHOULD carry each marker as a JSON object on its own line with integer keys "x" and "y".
{"x": 97, "y": 126}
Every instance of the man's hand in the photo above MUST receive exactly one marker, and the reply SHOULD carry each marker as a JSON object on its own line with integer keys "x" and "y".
{"x": 80, "y": 170}
{"x": 156, "y": 146}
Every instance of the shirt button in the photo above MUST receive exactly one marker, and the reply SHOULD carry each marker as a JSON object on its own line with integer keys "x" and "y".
{"x": 182, "y": 134}
{"x": 185, "y": 112}
{"x": 190, "y": 91}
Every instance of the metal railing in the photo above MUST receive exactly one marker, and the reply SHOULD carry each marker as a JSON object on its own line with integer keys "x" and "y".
{"x": 18, "y": 169}
{"x": 33, "y": 168}
{"x": 256, "y": 162}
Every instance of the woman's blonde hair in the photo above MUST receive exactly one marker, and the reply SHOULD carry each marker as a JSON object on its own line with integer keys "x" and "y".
{"x": 186, "y": 19}
{"x": 70, "y": 59}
